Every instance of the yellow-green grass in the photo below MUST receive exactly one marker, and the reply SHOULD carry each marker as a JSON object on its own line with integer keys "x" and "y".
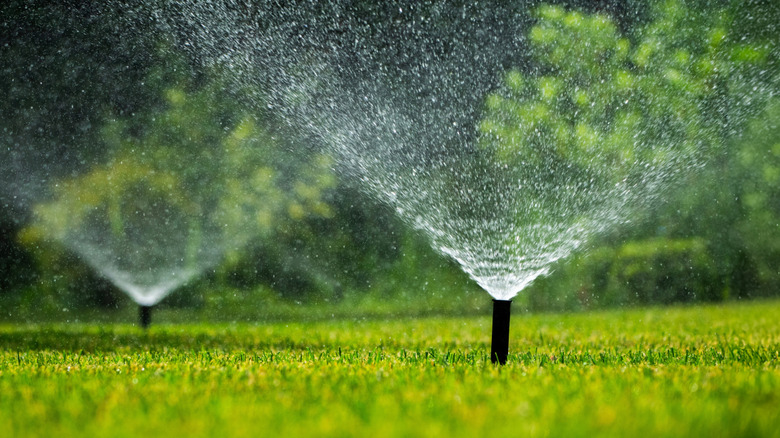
{"x": 694, "y": 371}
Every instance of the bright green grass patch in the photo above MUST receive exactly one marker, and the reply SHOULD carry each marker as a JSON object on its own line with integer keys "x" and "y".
{"x": 697, "y": 371}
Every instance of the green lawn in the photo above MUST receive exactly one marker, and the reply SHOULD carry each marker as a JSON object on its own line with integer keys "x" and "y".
{"x": 678, "y": 372}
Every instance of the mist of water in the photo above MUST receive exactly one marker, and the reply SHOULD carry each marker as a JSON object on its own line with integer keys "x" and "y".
{"x": 397, "y": 102}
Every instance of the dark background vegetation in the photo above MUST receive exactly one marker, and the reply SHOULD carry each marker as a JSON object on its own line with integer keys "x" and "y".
{"x": 67, "y": 67}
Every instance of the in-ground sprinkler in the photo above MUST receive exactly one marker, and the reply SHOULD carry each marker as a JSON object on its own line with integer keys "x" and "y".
{"x": 499, "y": 348}
{"x": 145, "y": 316}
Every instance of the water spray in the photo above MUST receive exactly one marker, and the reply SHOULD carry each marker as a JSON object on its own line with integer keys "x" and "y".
{"x": 145, "y": 316}
{"x": 499, "y": 348}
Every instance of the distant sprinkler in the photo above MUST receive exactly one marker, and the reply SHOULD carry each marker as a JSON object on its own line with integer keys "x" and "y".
{"x": 145, "y": 316}
{"x": 499, "y": 348}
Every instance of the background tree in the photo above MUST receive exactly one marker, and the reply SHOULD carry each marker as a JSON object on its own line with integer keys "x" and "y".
{"x": 757, "y": 168}
{"x": 599, "y": 109}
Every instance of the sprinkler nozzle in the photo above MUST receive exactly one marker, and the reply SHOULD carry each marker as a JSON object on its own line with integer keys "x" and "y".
{"x": 499, "y": 348}
{"x": 145, "y": 316}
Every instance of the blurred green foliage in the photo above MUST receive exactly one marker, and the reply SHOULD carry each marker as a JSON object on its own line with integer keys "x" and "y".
{"x": 597, "y": 93}
{"x": 603, "y": 107}
{"x": 598, "y": 107}
{"x": 758, "y": 167}
{"x": 715, "y": 238}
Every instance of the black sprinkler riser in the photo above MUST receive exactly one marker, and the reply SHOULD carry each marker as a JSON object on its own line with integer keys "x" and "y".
{"x": 145, "y": 316}
{"x": 499, "y": 347}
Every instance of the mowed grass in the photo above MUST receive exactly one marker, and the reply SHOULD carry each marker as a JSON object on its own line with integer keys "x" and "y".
{"x": 696, "y": 371}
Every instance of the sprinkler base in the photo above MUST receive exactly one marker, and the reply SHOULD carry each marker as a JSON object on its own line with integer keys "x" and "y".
{"x": 145, "y": 316}
{"x": 499, "y": 347}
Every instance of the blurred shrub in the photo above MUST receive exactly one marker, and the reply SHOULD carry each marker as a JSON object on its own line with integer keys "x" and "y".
{"x": 661, "y": 271}
{"x": 597, "y": 108}
{"x": 757, "y": 169}
{"x": 652, "y": 271}
{"x": 717, "y": 237}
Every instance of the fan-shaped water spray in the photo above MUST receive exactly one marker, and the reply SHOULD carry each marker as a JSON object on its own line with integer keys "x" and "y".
{"x": 172, "y": 192}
